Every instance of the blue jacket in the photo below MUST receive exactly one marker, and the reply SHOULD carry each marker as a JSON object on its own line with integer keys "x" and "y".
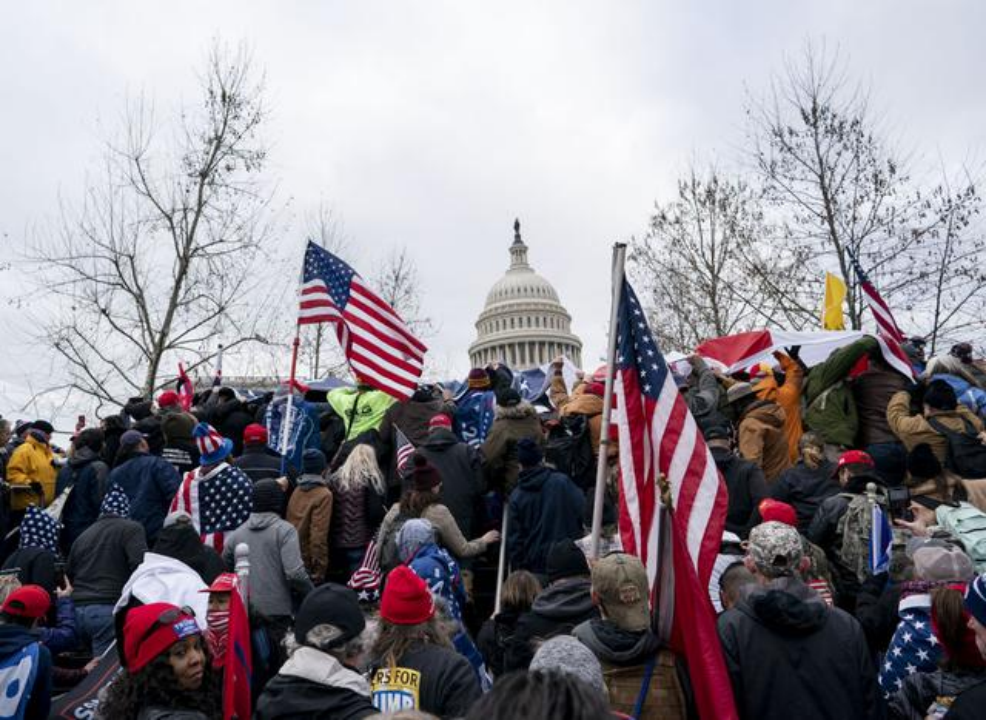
{"x": 64, "y": 636}
{"x": 545, "y": 507}
{"x": 86, "y": 474}
{"x": 968, "y": 394}
{"x": 13, "y": 639}
{"x": 150, "y": 483}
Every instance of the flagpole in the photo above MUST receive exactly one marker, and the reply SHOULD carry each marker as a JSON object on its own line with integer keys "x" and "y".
{"x": 286, "y": 419}
{"x": 619, "y": 261}
{"x": 502, "y": 564}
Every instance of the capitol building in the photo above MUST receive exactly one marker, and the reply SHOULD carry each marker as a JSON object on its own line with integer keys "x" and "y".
{"x": 523, "y": 324}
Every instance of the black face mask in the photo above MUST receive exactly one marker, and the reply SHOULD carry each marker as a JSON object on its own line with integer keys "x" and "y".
{"x": 39, "y": 436}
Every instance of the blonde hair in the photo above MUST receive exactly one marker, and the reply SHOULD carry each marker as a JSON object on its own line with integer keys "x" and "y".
{"x": 8, "y": 583}
{"x": 360, "y": 470}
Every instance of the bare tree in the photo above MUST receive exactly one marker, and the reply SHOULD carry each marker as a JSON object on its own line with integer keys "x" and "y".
{"x": 158, "y": 261}
{"x": 705, "y": 266}
{"x": 396, "y": 281}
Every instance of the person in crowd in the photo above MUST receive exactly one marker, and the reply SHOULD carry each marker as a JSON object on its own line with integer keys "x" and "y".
{"x": 149, "y": 482}
{"x": 871, "y": 391}
{"x": 167, "y": 673}
{"x": 957, "y": 521}
{"x": 515, "y": 420}
{"x": 86, "y": 474}
{"x": 25, "y": 663}
{"x": 622, "y": 640}
{"x": 809, "y": 483}
{"x": 733, "y": 584}
{"x": 37, "y": 550}
{"x": 940, "y": 408}
{"x": 545, "y": 507}
{"x": 219, "y": 488}
{"x": 519, "y": 591}
{"x": 959, "y": 375}
{"x": 180, "y": 540}
{"x": 816, "y": 574}
{"x": 962, "y": 667}
{"x": 846, "y": 544}
{"x": 760, "y": 430}
{"x": 461, "y": 468}
{"x": 63, "y": 635}
{"x": 786, "y": 394}
{"x": 230, "y": 416}
{"x": 258, "y": 460}
{"x": 99, "y": 565}
{"x": 217, "y": 617}
{"x": 565, "y": 603}
{"x": 413, "y": 417}
{"x": 744, "y": 481}
{"x": 31, "y": 472}
{"x": 277, "y": 571}
{"x": 113, "y": 427}
{"x": 914, "y": 646}
{"x": 586, "y": 400}
{"x": 176, "y": 428}
{"x": 413, "y": 665}
{"x": 310, "y": 511}
{"x": 540, "y": 696}
{"x": 475, "y": 408}
{"x": 321, "y": 678}
{"x": 423, "y": 500}
{"x": 963, "y": 353}
{"x": 703, "y": 394}
{"x": 358, "y": 492}
{"x": 566, "y": 655}
{"x": 788, "y": 653}
{"x": 913, "y": 347}
{"x": 830, "y": 409}
{"x": 969, "y": 704}
{"x": 6, "y": 432}
{"x": 926, "y": 476}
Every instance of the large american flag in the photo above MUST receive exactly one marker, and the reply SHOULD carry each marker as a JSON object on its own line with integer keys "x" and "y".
{"x": 380, "y": 348}
{"x": 659, "y": 436}
{"x": 218, "y": 502}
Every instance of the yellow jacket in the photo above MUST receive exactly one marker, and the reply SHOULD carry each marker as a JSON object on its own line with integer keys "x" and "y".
{"x": 788, "y": 396}
{"x": 31, "y": 462}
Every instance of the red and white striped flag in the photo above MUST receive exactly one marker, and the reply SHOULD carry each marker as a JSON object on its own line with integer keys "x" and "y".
{"x": 403, "y": 450}
{"x": 659, "y": 436}
{"x": 379, "y": 347}
{"x": 186, "y": 393}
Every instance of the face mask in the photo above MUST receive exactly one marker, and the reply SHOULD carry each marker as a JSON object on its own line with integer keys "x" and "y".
{"x": 218, "y": 633}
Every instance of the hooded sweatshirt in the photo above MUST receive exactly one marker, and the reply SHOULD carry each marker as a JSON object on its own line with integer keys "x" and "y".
{"x": 557, "y": 610}
{"x": 276, "y": 567}
{"x": 762, "y": 439}
{"x": 182, "y": 542}
{"x": 545, "y": 507}
{"x": 86, "y": 474}
{"x": 789, "y": 655}
{"x": 315, "y": 684}
{"x": 463, "y": 484}
{"x": 15, "y": 639}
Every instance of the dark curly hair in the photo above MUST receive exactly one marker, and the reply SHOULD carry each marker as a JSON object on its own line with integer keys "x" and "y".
{"x": 156, "y": 686}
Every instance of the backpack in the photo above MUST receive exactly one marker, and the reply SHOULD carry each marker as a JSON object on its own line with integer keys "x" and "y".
{"x": 966, "y": 454}
{"x": 854, "y": 528}
{"x": 390, "y": 556}
{"x": 18, "y": 673}
{"x": 968, "y": 524}
{"x": 569, "y": 450}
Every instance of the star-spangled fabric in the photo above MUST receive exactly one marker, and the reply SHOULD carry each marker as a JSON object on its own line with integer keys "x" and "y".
{"x": 218, "y": 502}
{"x": 115, "y": 504}
{"x": 39, "y": 530}
{"x": 914, "y": 647}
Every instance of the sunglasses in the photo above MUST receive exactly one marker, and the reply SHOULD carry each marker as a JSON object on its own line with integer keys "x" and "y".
{"x": 167, "y": 618}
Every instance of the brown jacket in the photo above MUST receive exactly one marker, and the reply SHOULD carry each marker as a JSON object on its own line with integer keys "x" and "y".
{"x": 788, "y": 396}
{"x": 310, "y": 511}
{"x": 914, "y": 429}
{"x": 872, "y": 392}
{"x": 582, "y": 403}
{"x": 762, "y": 439}
{"x": 500, "y": 449}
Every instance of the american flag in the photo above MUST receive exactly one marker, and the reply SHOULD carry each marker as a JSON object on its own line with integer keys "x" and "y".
{"x": 403, "y": 450}
{"x": 366, "y": 580}
{"x": 380, "y": 348}
{"x": 888, "y": 333}
{"x": 219, "y": 502}
{"x": 186, "y": 393}
{"x": 659, "y": 436}
{"x": 913, "y": 648}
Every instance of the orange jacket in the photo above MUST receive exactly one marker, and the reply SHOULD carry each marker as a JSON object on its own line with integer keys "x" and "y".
{"x": 788, "y": 396}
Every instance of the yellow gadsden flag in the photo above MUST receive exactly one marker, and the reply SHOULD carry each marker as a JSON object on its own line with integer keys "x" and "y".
{"x": 835, "y": 294}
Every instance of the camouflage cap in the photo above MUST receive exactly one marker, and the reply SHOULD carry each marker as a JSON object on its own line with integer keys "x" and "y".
{"x": 775, "y": 548}
{"x": 620, "y": 582}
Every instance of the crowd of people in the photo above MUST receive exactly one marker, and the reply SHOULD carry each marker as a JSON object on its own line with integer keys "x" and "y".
{"x": 369, "y": 558}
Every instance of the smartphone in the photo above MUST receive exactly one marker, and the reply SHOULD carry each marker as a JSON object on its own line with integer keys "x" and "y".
{"x": 900, "y": 503}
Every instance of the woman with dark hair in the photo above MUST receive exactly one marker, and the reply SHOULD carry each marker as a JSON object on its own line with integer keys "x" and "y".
{"x": 424, "y": 500}
{"x": 518, "y": 593}
{"x": 167, "y": 675}
{"x": 540, "y": 696}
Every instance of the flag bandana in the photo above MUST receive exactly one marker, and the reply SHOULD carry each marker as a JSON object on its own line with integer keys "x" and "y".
{"x": 39, "y": 530}
{"x": 115, "y": 504}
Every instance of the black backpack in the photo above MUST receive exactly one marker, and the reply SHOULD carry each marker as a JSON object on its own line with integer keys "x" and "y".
{"x": 569, "y": 450}
{"x": 966, "y": 453}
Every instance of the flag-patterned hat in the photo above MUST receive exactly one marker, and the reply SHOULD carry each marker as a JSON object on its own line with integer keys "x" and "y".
{"x": 212, "y": 446}
{"x": 115, "y": 503}
{"x": 39, "y": 530}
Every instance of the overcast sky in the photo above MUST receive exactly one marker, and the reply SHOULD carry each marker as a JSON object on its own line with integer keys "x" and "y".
{"x": 434, "y": 124}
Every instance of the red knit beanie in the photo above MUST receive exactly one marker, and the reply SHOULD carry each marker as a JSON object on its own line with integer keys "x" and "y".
{"x": 424, "y": 475}
{"x": 150, "y": 630}
{"x": 406, "y": 599}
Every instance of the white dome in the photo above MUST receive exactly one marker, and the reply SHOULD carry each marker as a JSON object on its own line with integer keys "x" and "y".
{"x": 523, "y": 323}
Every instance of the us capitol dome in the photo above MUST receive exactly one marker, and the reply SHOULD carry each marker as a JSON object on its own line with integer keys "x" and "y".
{"x": 523, "y": 324}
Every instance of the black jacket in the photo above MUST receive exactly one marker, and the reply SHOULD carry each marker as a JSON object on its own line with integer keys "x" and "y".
{"x": 494, "y": 638}
{"x": 746, "y": 486}
{"x": 911, "y": 702}
{"x": 443, "y": 681}
{"x": 876, "y": 610}
{"x": 230, "y": 418}
{"x": 261, "y": 463}
{"x": 806, "y": 489}
{"x": 556, "y": 611}
{"x": 463, "y": 484}
{"x": 791, "y": 656}
{"x": 103, "y": 558}
{"x": 182, "y": 542}
{"x": 13, "y": 638}
{"x": 313, "y": 684}
{"x": 545, "y": 507}
{"x": 86, "y": 474}
{"x": 970, "y": 703}
{"x": 37, "y": 567}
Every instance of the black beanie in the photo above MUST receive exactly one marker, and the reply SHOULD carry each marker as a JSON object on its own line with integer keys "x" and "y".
{"x": 940, "y": 396}
{"x": 268, "y": 497}
{"x": 922, "y": 464}
{"x": 508, "y": 398}
{"x": 529, "y": 452}
{"x": 565, "y": 560}
{"x": 313, "y": 461}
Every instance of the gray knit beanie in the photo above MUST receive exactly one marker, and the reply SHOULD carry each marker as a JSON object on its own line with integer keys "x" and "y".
{"x": 567, "y": 655}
